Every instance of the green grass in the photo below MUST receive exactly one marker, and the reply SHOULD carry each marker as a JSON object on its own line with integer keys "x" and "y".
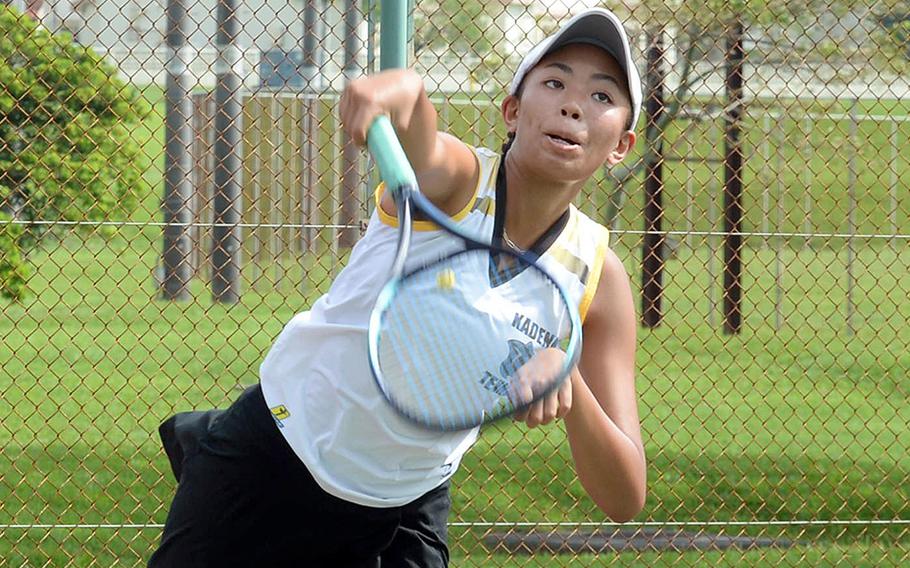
{"x": 787, "y": 160}
{"x": 803, "y": 416}
{"x": 853, "y": 556}
{"x": 805, "y": 422}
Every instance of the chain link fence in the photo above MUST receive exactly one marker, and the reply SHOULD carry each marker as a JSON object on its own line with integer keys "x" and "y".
{"x": 174, "y": 186}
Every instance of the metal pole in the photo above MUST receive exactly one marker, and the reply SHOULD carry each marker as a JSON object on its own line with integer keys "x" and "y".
{"x": 733, "y": 183}
{"x": 652, "y": 258}
{"x": 807, "y": 182}
{"x": 766, "y": 183}
{"x": 779, "y": 241}
{"x": 310, "y": 68}
{"x": 851, "y": 214}
{"x": 178, "y": 136}
{"x": 312, "y": 84}
{"x": 895, "y": 182}
{"x": 393, "y": 40}
{"x": 351, "y": 203}
{"x": 690, "y": 150}
{"x": 257, "y": 119}
{"x": 371, "y": 36}
{"x": 712, "y": 223}
{"x": 226, "y": 249}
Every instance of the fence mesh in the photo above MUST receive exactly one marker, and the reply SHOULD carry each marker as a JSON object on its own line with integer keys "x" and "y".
{"x": 763, "y": 220}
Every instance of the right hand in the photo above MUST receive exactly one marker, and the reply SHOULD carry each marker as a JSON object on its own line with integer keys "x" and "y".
{"x": 393, "y": 92}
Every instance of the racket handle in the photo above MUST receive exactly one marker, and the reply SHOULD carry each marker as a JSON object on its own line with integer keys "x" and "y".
{"x": 386, "y": 150}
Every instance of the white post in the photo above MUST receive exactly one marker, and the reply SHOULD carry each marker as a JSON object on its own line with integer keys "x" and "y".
{"x": 807, "y": 183}
{"x": 765, "y": 191}
{"x": 711, "y": 240}
{"x": 895, "y": 181}
{"x": 778, "y": 261}
{"x": 851, "y": 215}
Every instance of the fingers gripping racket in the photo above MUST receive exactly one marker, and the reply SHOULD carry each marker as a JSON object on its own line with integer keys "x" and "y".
{"x": 468, "y": 338}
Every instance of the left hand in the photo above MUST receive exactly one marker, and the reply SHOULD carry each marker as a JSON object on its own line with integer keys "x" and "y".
{"x": 554, "y": 405}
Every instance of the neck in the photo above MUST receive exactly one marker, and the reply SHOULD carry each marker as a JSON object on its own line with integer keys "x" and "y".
{"x": 533, "y": 202}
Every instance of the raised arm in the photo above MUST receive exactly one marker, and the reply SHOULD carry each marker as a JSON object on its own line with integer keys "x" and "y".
{"x": 446, "y": 168}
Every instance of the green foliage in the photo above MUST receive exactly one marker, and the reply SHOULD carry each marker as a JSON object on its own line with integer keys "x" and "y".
{"x": 13, "y": 270}
{"x": 455, "y": 24}
{"x": 66, "y": 151}
{"x": 461, "y": 26}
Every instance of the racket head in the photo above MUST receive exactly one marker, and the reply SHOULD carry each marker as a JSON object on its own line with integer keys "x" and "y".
{"x": 453, "y": 344}
{"x": 471, "y": 338}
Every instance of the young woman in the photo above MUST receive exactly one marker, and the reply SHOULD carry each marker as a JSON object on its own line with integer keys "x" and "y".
{"x": 311, "y": 467}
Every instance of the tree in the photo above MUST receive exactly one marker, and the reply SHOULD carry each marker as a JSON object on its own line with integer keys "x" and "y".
{"x": 780, "y": 34}
{"x": 66, "y": 150}
{"x": 461, "y": 26}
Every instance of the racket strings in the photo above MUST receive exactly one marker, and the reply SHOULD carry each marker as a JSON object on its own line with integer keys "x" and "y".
{"x": 417, "y": 354}
{"x": 456, "y": 335}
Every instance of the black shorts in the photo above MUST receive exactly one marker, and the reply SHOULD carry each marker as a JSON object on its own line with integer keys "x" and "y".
{"x": 245, "y": 499}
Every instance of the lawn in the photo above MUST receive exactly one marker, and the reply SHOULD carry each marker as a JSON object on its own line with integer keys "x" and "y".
{"x": 801, "y": 423}
{"x": 795, "y": 428}
{"x": 801, "y": 168}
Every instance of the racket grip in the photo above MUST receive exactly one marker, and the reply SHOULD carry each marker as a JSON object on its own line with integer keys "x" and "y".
{"x": 394, "y": 167}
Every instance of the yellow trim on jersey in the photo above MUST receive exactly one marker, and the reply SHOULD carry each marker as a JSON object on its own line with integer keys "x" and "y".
{"x": 564, "y": 256}
{"x": 392, "y": 220}
{"x": 486, "y": 205}
{"x": 596, "y": 270}
{"x": 571, "y": 262}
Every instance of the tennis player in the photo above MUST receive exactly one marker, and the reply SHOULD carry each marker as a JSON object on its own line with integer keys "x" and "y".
{"x": 312, "y": 467}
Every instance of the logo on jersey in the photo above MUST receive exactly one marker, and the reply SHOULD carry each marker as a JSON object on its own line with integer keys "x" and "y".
{"x": 535, "y": 331}
{"x": 519, "y": 354}
{"x": 280, "y": 413}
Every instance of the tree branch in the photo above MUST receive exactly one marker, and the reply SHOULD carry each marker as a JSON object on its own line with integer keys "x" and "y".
{"x": 623, "y": 174}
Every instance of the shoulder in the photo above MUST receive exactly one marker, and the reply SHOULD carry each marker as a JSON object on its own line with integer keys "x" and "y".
{"x": 590, "y": 241}
{"x": 481, "y": 185}
{"x": 612, "y": 303}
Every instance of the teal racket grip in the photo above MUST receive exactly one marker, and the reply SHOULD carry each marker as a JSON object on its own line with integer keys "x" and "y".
{"x": 394, "y": 167}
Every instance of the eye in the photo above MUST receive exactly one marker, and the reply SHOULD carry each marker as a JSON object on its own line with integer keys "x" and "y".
{"x": 553, "y": 83}
{"x": 602, "y": 97}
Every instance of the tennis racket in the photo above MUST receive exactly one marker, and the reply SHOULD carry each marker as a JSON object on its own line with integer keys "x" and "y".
{"x": 468, "y": 338}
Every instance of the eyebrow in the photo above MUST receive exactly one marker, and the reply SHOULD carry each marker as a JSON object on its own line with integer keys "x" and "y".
{"x": 568, "y": 70}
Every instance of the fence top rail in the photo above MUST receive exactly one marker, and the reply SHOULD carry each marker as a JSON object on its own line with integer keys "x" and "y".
{"x": 493, "y": 524}
{"x": 758, "y": 234}
{"x": 484, "y": 100}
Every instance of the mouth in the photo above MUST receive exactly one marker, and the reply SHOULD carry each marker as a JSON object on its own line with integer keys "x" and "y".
{"x": 563, "y": 140}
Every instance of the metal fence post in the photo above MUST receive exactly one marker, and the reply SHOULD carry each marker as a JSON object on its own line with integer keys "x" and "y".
{"x": 312, "y": 85}
{"x": 178, "y": 132}
{"x": 393, "y": 39}
{"x": 226, "y": 249}
{"x": 733, "y": 183}
{"x": 851, "y": 213}
{"x": 652, "y": 257}
{"x": 351, "y": 204}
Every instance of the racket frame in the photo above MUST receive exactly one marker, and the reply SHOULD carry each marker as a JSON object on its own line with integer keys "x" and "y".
{"x": 399, "y": 178}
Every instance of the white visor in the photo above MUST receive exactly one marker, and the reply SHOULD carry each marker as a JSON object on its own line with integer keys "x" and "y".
{"x": 596, "y": 27}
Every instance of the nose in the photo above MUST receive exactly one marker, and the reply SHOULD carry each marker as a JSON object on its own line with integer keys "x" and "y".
{"x": 571, "y": 109}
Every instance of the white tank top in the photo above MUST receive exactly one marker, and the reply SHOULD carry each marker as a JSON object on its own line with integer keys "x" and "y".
{"x": 316, "y": 377}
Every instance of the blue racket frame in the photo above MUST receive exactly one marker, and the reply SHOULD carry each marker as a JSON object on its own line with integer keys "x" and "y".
{"x": 399, "y": 178}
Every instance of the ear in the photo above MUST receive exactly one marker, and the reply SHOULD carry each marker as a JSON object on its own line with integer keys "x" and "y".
{"x": 622, "y": 149}
{"x": 509, "y": 109}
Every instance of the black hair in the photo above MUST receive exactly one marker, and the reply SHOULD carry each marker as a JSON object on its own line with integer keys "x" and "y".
{"x": 510, "y": 137}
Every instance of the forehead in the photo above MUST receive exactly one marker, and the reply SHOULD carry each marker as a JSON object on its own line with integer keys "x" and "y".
{"x": 583, "y": 56}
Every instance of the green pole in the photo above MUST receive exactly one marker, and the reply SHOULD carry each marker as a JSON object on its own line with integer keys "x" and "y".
{"x": 393, "y": 34}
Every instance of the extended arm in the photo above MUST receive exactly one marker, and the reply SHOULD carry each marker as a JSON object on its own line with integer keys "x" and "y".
{"x": 446, "y": 168}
